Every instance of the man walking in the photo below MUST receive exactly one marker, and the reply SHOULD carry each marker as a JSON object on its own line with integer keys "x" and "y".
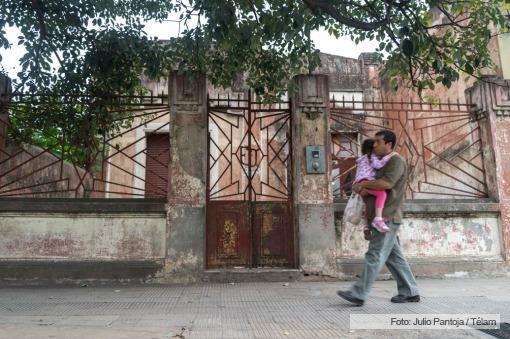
{"x": 384, "y": 248}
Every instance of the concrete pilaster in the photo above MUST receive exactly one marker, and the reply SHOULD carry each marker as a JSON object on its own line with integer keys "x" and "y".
{"x": 187, "y": 177}
{"x": 491, "y": 100}
{"x": 312, "y": 192}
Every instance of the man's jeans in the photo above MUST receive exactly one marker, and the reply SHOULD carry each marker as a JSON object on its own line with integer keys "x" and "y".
{"x": 384, "y": 248}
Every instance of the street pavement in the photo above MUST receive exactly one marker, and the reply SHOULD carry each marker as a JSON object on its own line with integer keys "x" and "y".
{"x": 241, "y": 310}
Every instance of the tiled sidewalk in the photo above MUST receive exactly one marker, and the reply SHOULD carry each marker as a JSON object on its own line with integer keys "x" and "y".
{"x": 248, "y": 310}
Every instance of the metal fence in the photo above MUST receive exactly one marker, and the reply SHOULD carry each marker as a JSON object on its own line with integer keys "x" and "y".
{"x": 78, "y": 146}
{"x": 441, "y": 143}
{"x": 75, "y": 156}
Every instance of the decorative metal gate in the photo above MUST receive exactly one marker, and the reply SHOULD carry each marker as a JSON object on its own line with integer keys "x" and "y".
{"x": 441, "y": 142}
{"x": 249, "y": 210}
{"x": 88, "y": 147}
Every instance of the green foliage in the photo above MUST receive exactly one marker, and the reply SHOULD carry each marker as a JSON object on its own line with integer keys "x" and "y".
{"x": 102, "y": 49}
{"x": 457, "y": 44}
{"x": 71, "y": 129}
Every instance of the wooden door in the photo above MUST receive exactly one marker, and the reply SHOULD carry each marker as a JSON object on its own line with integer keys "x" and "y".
{"x": 156, "y": 169}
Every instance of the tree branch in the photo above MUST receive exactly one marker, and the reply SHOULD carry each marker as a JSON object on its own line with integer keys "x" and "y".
{"x": 38, "y": 8}
{"x": 324, "y": 6}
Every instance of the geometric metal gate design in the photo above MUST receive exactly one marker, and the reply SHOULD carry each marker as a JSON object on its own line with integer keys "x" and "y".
{"x": 441, "y": 143}
{"x": 72, "y": 156}
{"x": 249, "y": 188}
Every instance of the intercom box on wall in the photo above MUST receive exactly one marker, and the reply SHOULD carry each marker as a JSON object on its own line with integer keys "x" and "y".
{"x": 315, "y": 160}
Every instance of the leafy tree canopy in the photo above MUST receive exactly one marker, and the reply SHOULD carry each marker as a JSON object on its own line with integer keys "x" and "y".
{"x": 101, "y": 47}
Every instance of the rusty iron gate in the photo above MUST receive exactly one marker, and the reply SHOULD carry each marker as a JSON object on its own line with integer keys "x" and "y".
{"x": 441, "y": 142}
{"x": 249, "y": 209}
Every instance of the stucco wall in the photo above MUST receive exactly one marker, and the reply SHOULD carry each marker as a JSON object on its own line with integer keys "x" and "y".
{"x": 30, "y": 170}
{"x": 79, "y": 237}
{"x": 435, "y": 233}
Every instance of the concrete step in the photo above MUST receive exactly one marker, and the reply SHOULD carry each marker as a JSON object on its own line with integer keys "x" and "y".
{"x": 238, "y": 275}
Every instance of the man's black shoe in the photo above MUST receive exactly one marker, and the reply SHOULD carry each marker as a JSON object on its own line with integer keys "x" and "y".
{"x": 347, "y": 295}
{"x": 403, "y": 299}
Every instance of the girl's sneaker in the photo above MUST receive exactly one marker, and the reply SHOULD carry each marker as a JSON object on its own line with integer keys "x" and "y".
{"x": 380, "y": 225}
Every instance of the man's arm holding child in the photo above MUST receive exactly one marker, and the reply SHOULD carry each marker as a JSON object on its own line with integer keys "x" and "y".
{"x": 378, "y": 184}
{"x": 389, "y": 177}
{"x": 377, "y": 163}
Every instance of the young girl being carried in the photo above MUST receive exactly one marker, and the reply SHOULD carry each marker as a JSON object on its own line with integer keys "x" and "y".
{"x": 368, "y": 163}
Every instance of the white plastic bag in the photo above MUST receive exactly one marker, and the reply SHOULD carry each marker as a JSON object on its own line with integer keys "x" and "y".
{"x": 354, "y": 210}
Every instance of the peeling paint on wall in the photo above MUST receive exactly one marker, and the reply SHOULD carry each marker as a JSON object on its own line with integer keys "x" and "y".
{"x": 476, "y": 236}
{"x": 85, "y": 237}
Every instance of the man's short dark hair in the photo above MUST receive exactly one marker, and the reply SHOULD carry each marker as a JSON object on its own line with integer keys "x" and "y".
{"x": 388, "y": 136}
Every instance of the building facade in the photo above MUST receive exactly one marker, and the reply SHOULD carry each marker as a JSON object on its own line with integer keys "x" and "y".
{"x": 207, "y": 182}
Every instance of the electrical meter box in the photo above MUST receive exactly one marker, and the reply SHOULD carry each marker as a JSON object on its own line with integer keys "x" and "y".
{"x": 315, "y": 160}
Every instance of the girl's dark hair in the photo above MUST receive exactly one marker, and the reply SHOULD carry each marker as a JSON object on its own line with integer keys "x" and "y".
{"x": 367, "y": 146}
